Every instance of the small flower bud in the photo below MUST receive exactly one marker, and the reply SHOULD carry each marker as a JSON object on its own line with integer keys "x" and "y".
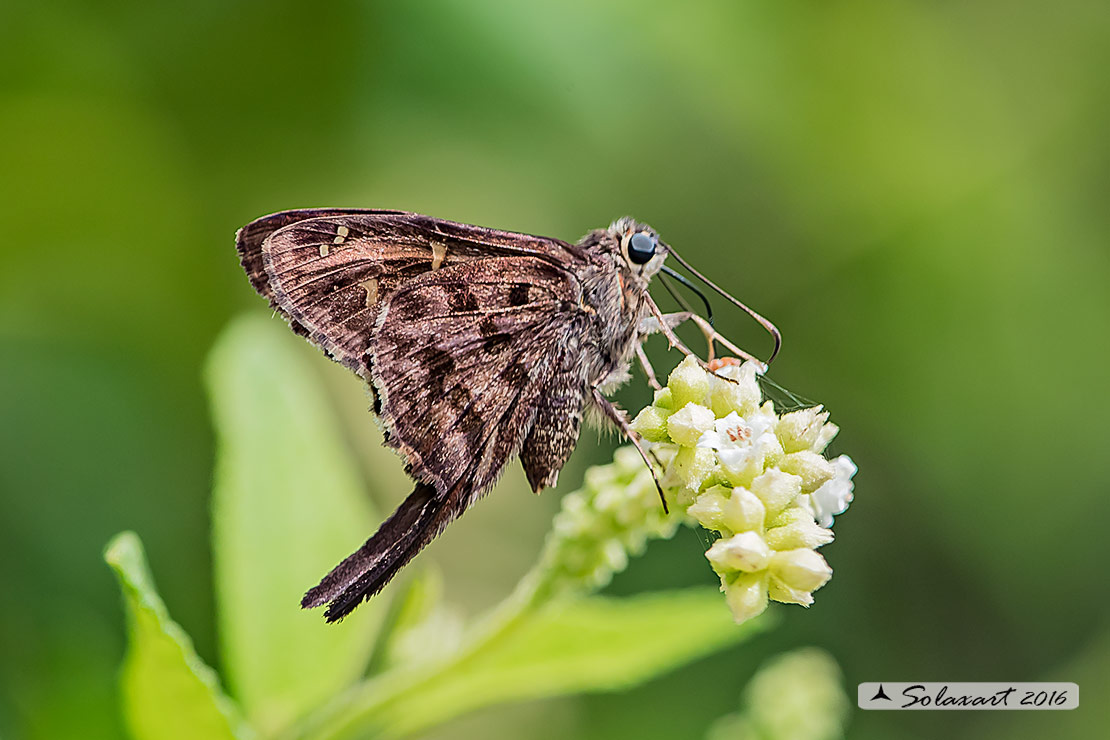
{"x": 686, "y": 425}
{"x": 801, "y": 430}
{"x": 801, "y": 569}
{"x": 692, "y": 466}
{"x": 745, "y": 594}
{"x": 745, "y": 551}
{"x": 780, "y": 592}
{"x": 776, "y": 489}
{"x": 795, "y": 528}
{"x": 651, "y": 424}
{"x": 681, "y": 497}
{"x": 610, "y": 497}
{"x": 709, "y": 508}
{"x": 613, "y": 556}
{"x": 688, "y": 383}
{"x": 743, "y": 511}
{"x": 627, "y": 461}
{"x": 663, "y": 399}
{"x": 813, "y": 469}
{"x": 741, "y": 397}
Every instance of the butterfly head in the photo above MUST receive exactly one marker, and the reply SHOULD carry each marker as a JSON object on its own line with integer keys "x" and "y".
{"x": 639, "y": 249}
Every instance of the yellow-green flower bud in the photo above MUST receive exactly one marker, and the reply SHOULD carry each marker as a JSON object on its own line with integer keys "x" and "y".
{"x": 663, "y": 399}
{"x": 651, "y": 424}
{"x": 614, "y": 514}
{"x": 692, "y": 466}
{"x": 779, "y": 591}
{"x": 688, "y": 383}
{"x": 745, "y": 594}
{"x": 743, "y": 511}
{"x": 686, "y": 425}
{"x": 614, "y": 556}
{"x": 745, "y": 551}
{"x": 801, "y": 569}
{"x": 627, "y": 461}
{"x": 742, "y": 397}
{"x": 794, "y": 528}
{"x": 709, "y": 508}
{"x": 813, "y": 469}
{"x": 776, "y": 489}
{"x": 801, "y": 430}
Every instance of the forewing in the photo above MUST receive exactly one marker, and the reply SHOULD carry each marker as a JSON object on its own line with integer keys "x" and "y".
{"x": 329, "y": 270}
{"x": 462, "y": 357}
{"x": 249, "y": 239}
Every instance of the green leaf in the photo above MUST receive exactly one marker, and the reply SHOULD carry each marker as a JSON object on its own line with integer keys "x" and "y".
{"x": 589, "y": 644}
{"x": 288, "y": 505}
{"x": 168, "y": 692}
{"x": 423, "y": 627}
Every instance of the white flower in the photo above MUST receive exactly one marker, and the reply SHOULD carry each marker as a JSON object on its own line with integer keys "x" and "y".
{"x": 741, "y": 441}
{"x": 834, "y": 496}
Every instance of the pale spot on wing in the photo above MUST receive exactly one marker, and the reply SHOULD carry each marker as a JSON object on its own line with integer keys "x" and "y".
{"x": 323, "y": 250}
{"x": 439, "y": 251}
{"x": 342, "y": 232}
{"x": 371, "y": 287}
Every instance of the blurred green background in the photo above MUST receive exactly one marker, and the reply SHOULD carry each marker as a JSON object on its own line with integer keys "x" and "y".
{"x": 916, "y": 192}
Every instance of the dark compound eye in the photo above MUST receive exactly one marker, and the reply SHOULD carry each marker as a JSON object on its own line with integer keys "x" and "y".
{"x": 641, "y": 247}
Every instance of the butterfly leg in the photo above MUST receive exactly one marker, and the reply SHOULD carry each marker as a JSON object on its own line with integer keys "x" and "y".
{"x": 661, "y": 324}
{"x": 617, "y": 416}
{"x": 649, "y": 371}
{"x": 666, "y": 324}
{"x": 712, "y": 335}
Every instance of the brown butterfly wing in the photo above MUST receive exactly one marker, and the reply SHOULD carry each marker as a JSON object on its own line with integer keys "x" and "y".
{"x": 462, "y": 356}
{"x": 250, "y": 238}
{"x": 328, "y": 270}
{"x": 464, "y": 359}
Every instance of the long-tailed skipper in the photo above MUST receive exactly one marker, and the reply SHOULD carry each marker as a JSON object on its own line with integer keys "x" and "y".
{"x": 479, "y": 346}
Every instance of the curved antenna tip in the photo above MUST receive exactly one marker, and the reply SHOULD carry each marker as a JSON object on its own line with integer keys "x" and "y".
{"x": 771, "y": 328}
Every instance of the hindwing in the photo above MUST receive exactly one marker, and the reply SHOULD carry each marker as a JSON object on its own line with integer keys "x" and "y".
{"x": 462, "y": 357}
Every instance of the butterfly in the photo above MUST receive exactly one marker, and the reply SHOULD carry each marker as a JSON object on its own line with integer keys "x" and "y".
{"x": 478, "y": 345}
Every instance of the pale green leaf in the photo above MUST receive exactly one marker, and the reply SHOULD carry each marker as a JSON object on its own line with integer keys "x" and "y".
{"x": 288, "y": 505}
{"x": 167, "y": 691}
{"x": 589, "y": 644}
{"x": 424, "y": 627}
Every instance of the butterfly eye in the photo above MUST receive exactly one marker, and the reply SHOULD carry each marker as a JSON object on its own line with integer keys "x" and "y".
{"x": 641, "y": 247}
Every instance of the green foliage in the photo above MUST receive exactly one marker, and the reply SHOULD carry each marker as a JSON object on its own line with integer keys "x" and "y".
{"x": 168, "y": 692}
{"x": 590, "y": 644}
{"x": 795, "y": 696}
{"x": 287, "y": 493}
{"x": 287, "y": 505}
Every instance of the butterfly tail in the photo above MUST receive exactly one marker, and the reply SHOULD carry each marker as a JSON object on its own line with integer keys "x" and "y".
{"x": 367, "y": 570}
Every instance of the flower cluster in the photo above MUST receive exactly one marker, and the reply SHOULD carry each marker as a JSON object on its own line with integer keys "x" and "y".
{"x": 613, "y": 515}
{"x": 757, "y": 478}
